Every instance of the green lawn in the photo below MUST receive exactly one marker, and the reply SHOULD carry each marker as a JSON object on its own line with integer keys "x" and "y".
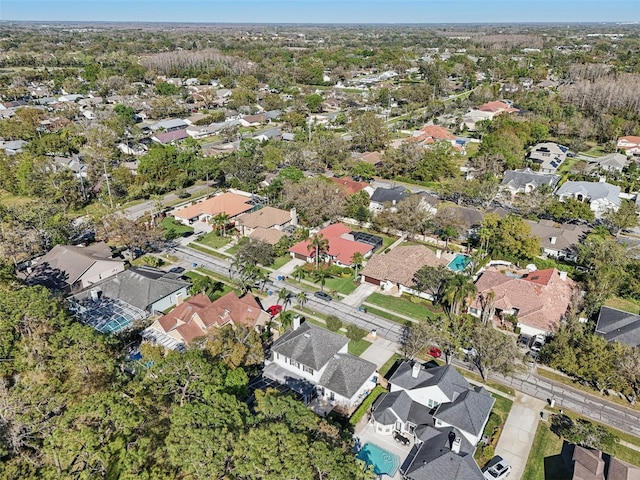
{"x": 357, "y": 348}
{"x": 168, "y": 224}
{"x": 278, "y": 262}
{"x": 623, "y": 304}
{"x": 341, "y": 285}
{"x": 233, "y": 250}
{"x": 493, "y": 429}
{"x": 388, "y": 316}
{"x": 402, "y": 305}
{"x": 214, "y": 241}
{"x": 389, "y": 364}
{"x": 207, "y": 251}
{"x": 544, "y": 461}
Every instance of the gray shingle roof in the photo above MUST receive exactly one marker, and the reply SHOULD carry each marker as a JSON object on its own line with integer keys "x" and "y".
{"x": 469, "y": 412}
{"x": 434, "y": 459}
{"x": 445, "y": 377}
{"x": 310, "y": 345}
{"x": 346, "y": 373}
{"x": 139, "y": 286}
{"x": 398, "y": 405}
{"x": 516, "y": 179}
{"x": 383, "y": 195}
{"x": 591, "y": 190}
{"x": 618, "y": 326}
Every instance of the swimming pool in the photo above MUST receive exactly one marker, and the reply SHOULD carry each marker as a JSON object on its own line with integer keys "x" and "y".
{"x": 459, "y": 263}
{"x": 383, "y": 462}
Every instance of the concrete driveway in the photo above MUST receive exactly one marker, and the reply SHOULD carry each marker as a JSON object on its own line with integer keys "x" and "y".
{"x": 519, "y": 431}
{"x": 360, "y": 294}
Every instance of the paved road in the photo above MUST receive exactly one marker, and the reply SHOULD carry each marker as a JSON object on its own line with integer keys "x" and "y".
{"x": 145, "y": 208}
{"x": 590, "y": 406}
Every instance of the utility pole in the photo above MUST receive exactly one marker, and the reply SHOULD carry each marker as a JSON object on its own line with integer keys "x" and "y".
{"x": 106, "y": 176}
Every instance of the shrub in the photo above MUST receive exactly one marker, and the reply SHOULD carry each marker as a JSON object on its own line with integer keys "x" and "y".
{"x": 355, "y": 333}
{"x": 333, "y": 323}
{"x": 494, "y": 422}
{"x": 488, "y": 452}
{"x": 152, "y": 261}
{"x": 366, "y": 405}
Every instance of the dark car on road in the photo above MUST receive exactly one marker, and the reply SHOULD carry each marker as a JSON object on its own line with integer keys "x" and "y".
{"x": 177, "y": 270}
{"x": 323, "y": 296}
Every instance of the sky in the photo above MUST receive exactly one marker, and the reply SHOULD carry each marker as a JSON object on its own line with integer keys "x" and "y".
{"x": 323, "y": 11}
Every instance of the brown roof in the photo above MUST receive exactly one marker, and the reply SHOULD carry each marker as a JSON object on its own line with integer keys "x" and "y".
{"x": 557, "y": 236}
{"x": 230, "y": 203}
{"x": 371, "y": 157}
{"x": 350, "y": 186}
{"x": 619, "y": 470}
{"x": 194, "y": 317}
{"x": 266, "y": 217}
{"x": 541, "y": 297}
{"x": 588, "y": 464}
{"x": 401, "y": 263}
{"x": 267, "y": 235}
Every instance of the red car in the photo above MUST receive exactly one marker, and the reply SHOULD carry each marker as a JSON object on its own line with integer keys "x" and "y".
{"x": 274, "y": 310}
{"x": 435, "y": 352}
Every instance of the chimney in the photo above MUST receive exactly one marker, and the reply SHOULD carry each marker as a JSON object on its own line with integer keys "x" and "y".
{"x": 553, "y": 240}
{"x": 95, "y": 294}
{"x": 455, "y": 447}
{"x": 296, "y": 322}
{"x": 563, "y": 275}
{"x": 294, "y": 216}
{"x": 438, "y": 253}
{"x": 415, "y": 370}
{"x": 179, "y": 298}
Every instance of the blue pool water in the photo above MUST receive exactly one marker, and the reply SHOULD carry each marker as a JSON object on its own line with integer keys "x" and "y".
{"x": 383, "y": 462}
{"x": 459, "y": 263}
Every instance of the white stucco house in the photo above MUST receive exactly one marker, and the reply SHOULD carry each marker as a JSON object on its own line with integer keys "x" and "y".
{"x": 601, "y": 196}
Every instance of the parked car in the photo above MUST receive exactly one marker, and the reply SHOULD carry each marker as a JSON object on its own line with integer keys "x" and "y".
{"x": 323, "y": 296}
{"x": 538, "y": 343}
{"x": 469, "y": 351}
{"x": 498, "y": 469}
{"x": 274, "y": 310}
{"x": 187, "y": 233}
{"x": 177, "y": 270}
{"x": 435, "y": 352}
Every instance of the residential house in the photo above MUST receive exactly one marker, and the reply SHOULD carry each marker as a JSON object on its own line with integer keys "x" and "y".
{"x": 11, "y": 147}
{"x": 170, "y": 137}
{"x": 117, "y": 302}
{"x": 229, "y": 203}
{"x": 441, "y": 413}
{"x": 394, "y": 271}
{"x": 629, "y": 145}
{"x": 618, "y": 326}
{"x": 384, "y": 197}
{"x": 601, "y": 196}
{"x": 169, "y": 125}
{"x": 592, "y": 465}
{"x": 487, "y": 111}
{"x": 74, "y": 163}
{"x": 548, "y": 155}
{"x": 538, "y": 299}
{"x": 372, "y": 158}
{"x": 342, "y": 246}
{"x": 351, "y": 186}
{"x": 266, "y": 218}
{"x": 198, "y": 315}
{"x": 430, "y": 134}
{"x": 558, "y": 240}
{"x": 614, "y": 162}
{"x": 526, "y": 181}
{"x": 69, "y": 268}
{"x": 314, "y": 362}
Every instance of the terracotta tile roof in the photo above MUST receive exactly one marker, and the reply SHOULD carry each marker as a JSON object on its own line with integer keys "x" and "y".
{"x": 432, "y": 133}
{"x": 371, "y": 157}
{"x": 401, "y": 263}
{"x": 230, "y": 203}
{"x": 497, "y": 107}
{"x": 630, "y": 139}
{"x": 341, "y": 247}
{"x": 350, "y": 186}
{"x": 266, "y": 217}
{"x": 541, "y": 297}
{"x": 194, "y": 317}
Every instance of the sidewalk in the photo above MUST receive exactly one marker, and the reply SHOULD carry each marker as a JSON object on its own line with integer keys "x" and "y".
{"x": 519, "y": 431}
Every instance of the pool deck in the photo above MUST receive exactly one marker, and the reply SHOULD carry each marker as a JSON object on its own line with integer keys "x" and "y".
{"x": 366, "y": 434}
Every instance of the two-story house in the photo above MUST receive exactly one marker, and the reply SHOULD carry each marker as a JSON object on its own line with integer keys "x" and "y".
{"x": 314, "y": 362}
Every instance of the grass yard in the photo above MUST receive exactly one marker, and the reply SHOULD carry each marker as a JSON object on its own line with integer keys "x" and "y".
{"x": 207, "y": 251}
{"x": 277, "y": 262}
{"x": 402, "y": 305}
{"x": 545, "y": 462}
{"x": 214, "y": 241}
{"x": 213, "y": 275}
{"x": 357, "y": 348}
{"x": 493, "y": 429}
{"x": 388, "y": 316}
{"x": 233, "y": 250}
{"x": 623, "y": 304}
{"x": 339, "y": 284}
{"x": 168, "y": 224}
{"x": 384, "y": 369}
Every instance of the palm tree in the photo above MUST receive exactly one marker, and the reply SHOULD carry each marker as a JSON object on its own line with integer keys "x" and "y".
{"x": 321, "y": 276}
{"x": 457, "y": 291}
{"x": 302, "y": 298}
{"x": 220, "y": 221}
{"x": 320, "y": 245}
{"x": 299, "y": 272}
{"x": 285, "y": 296}
{"x": 357, "y": 260}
